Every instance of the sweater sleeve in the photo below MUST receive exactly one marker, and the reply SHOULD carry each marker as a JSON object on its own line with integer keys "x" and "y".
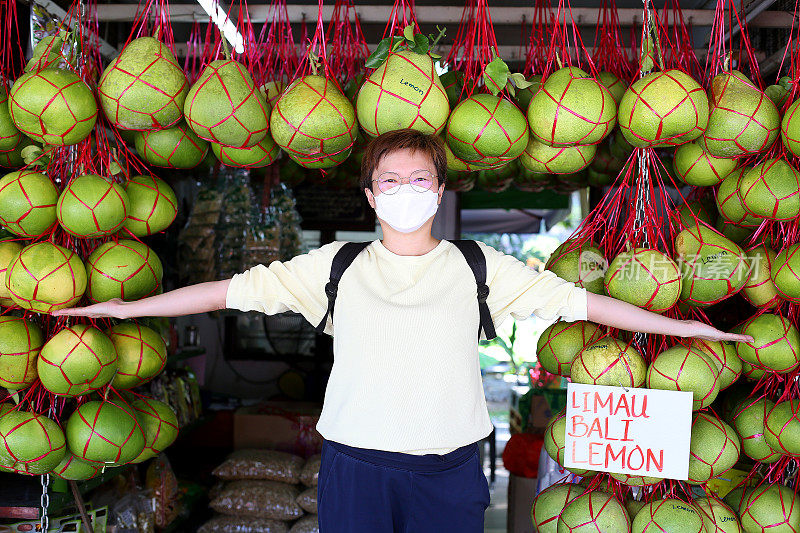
{"x": 296, "y": 285}
{"x": 520, "y": 291}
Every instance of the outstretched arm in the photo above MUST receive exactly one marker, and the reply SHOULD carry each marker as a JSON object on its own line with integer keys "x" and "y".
{"x": 190, "y": 300}
{"x": 622, "y": 315}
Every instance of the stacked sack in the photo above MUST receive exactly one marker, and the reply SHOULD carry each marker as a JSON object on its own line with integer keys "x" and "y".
{"x": 265, "y": 491}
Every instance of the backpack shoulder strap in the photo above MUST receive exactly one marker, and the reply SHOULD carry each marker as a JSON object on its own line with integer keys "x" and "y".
{"x": 343, "y": 259}
{"x": 477, "y": 262}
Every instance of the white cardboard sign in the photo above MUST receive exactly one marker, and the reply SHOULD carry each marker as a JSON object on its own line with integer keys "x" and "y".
{"x": 644, "y": 432}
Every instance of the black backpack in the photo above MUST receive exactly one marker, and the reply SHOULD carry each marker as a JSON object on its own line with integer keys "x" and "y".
{"x": 472, "y": 253}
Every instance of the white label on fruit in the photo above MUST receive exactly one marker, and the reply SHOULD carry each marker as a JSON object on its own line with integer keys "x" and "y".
{"x": 641, "y": 432}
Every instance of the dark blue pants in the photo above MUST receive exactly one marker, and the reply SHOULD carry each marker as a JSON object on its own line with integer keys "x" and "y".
{"x": 372, "y": 491}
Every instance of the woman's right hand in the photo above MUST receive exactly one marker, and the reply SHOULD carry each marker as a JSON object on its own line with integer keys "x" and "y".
{"x": 111, "y": 309}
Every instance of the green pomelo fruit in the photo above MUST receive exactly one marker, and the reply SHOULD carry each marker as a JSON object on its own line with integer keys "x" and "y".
{"x": 738, "y": 234}
{"x": 688, "y": 369}
{"x": 30, "y": 443}
{"x": 572, "y": 108}
{"x": 598, "y": 179}
{"x": 524, "y": 96}
{"x": 554, "y": 437}
{"x": 496, "y": 179}
{"x": 609, "y": 361}
{"x": 644, "y": 277}
{"x": 20, "y": 342}
{"x": 318, "y": 161}
{"x": 752, "y": 372}
{"x": 27, "y": 203}
{"x": 620, "y": 147}
{"x": 159, "y": 424}
{"x": 225, "y": 106}
{"x": 771, "y": 509}
{"x": 144, "y": 88}
{"x": 776, "y": 344}
{"x": 790, "y": 129}
{"x": 760, "y": 290}
{"x": 174, "y": 147}
{"x": 736, "y": 499}
{"x": 595, "y": 512}
{"x": 9, "y": 250}
{"x": 104, "y": 432}
{"x": 749, "y": 421}
{"x": 785, "y": 273}
{"x": 126, "y": 269}
{"x": 259, "y": 155}
{"x": 457, "y": 165}
{"x": 544, "y": 159}
{"x": 664, "y": 108}
{"x": 487, "y": 130}
{"x": 404, "y": 92}
{"x": 771, "y": 190}
{"x": 45, "y": 277}
{"x": 672, "y": 515}
{"x": 636, "y": 481}
{"x": 779, "y": 92}
{"x": 92, "y": 206}
{"x": 314, "y": 122}
{"x": 712, "y": 266}
{"x": 549, "y": 503}
{"x": 615, "y": 85}
{"x": 10, "y": 136}
{"x": 13, "y": 159}
{"x": 53, "y": 106}
{"x": 73, "y": 468}
{"x": 453, "y": 83}
{"x": 77, "y": 360}
{"x": 580, "y": 263}
{"x": 782, "y": 428}
{"x": 560, "y": 343}
{"x": 729, "y": 201}
{"x": 141, "y": 354}
{"x": 696, "y": 167}
{"x": 714, "y": 448}
{"x": 272, "y": 91}
{"x": 717, "y": 517}
{"x": 604, "y": 161}
{"x": 633, "y": 507}
{"x": 742, "y": 120}
{"x": 153, "y": 205}
{"x": 690, "y": 212}
{"x": 723, "y": 355}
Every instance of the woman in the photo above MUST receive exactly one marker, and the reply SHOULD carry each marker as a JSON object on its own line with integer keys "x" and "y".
{"x": 404, "y": 407}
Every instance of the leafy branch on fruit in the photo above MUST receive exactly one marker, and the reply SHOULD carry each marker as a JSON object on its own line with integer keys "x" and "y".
{"x": 416, "y": 42}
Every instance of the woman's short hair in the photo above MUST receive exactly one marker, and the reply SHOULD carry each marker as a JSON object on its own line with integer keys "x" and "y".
{"x": 407, "y": 139}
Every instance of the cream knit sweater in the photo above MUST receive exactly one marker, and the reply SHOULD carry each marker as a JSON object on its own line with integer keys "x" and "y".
{"x": 406, "y": 376}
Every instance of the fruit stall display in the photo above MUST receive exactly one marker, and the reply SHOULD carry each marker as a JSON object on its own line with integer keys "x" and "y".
{"x": 699, "y": 221}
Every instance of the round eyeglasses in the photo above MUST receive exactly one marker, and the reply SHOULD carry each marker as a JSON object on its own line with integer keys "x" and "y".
{"x": 419, "y": 180}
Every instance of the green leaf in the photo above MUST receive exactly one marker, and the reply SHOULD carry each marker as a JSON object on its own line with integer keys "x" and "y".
{"x": 510, "y": 89}
{"x": 114, "y": 168}
{"x": 31, "y": 153}
{"x": 435, "y": 56}
{"x": 379, "y": 55}
{"x": 408, "y": 33}
{"x": 519, "y": 81}
{"x": 421, "y": 44}
{"x": 496, "y": 75}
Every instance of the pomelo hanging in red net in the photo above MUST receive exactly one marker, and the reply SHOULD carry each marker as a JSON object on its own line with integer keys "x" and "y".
{"x": 549, "y": 503}
{"x": 20, "y": 342}
{"x": 27, "y": 203}
{"x": 10, "y": 136}
{"x": 668, "y": 514}
{"x": 771, "y": 508}
{"x": 73, "y": 468}
{"x": 665, "y": 108}
{"x": 314, "y": 123}
{"x": 92, "y": 206}
{"x": 782, "y": 427}
{"x": 225, "y": 106}
{"x": 790, "y": 129}
{"x": 760, "y": 290}
{"x": 153, "y": 205}
{"x": 560, "y": 342}
{"x": 723, "y": 355}
{"x": 45, "y": 277}
{"x": 29, "y": 443}
{"x": 544, "y": 159}
{"x": 486, "y": 130}
{"x": 695, "y": 166}
{"x": 53, "y": 106}
{"x": 595, "y": 510}
{"x": 644, "y": 277}
{"x": 159, "y": 424}
{"x": 785, "y": 273}
{"x": 775, "y": 346}
{"x": 77, "y": 360}
{"x": 572, "y": 108}
{"x": 9, "y": 250}
{"x": 609, "y": 361}
{"x": 13, "y": 158}
{"x": 742, "y": 119}
{"x": 141, "y": 354}
{"x": 554, "y": 437}
{"x": 144, "y": 88}
{"x": 260, "y": 155}
{"x": 127, "y": 269}
{"x": 729, "y": 202}
{"x": 174, "y": 147}
{"x": 582, "y": 263}
{"x": 771, "y": 190}
{"x": 749, "y": 421}
{"x": 404, "y": 92}
{"x": 685, "y": 368}
{"x": 105, "y": 432}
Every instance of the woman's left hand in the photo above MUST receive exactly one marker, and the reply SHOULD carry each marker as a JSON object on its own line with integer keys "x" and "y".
{"x": 700, "y": 330}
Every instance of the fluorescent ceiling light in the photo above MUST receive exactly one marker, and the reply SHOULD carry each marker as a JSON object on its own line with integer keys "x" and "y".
{"x": 223, "y": 21}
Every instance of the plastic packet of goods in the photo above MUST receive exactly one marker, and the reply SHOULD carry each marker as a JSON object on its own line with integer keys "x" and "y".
{"x": 308, "y": 524}
{"x": 308, "y": 500}
{"x": 260, "y": 499}
{"x": 310, "y": 473}
{"x": 261, "y": 464}
{"x": 233, "y": 524}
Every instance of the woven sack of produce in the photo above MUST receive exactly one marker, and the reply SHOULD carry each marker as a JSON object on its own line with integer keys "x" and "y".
{"x": 308, "y": 500}
{"x": 258, "y": 499}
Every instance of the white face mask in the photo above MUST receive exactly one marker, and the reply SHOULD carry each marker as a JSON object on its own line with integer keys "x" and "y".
{"x": 406, "y": 210}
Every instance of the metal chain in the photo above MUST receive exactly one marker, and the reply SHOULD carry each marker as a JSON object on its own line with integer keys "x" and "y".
{"x": 790, "y": 474}
{"x": 45, "y": 501}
